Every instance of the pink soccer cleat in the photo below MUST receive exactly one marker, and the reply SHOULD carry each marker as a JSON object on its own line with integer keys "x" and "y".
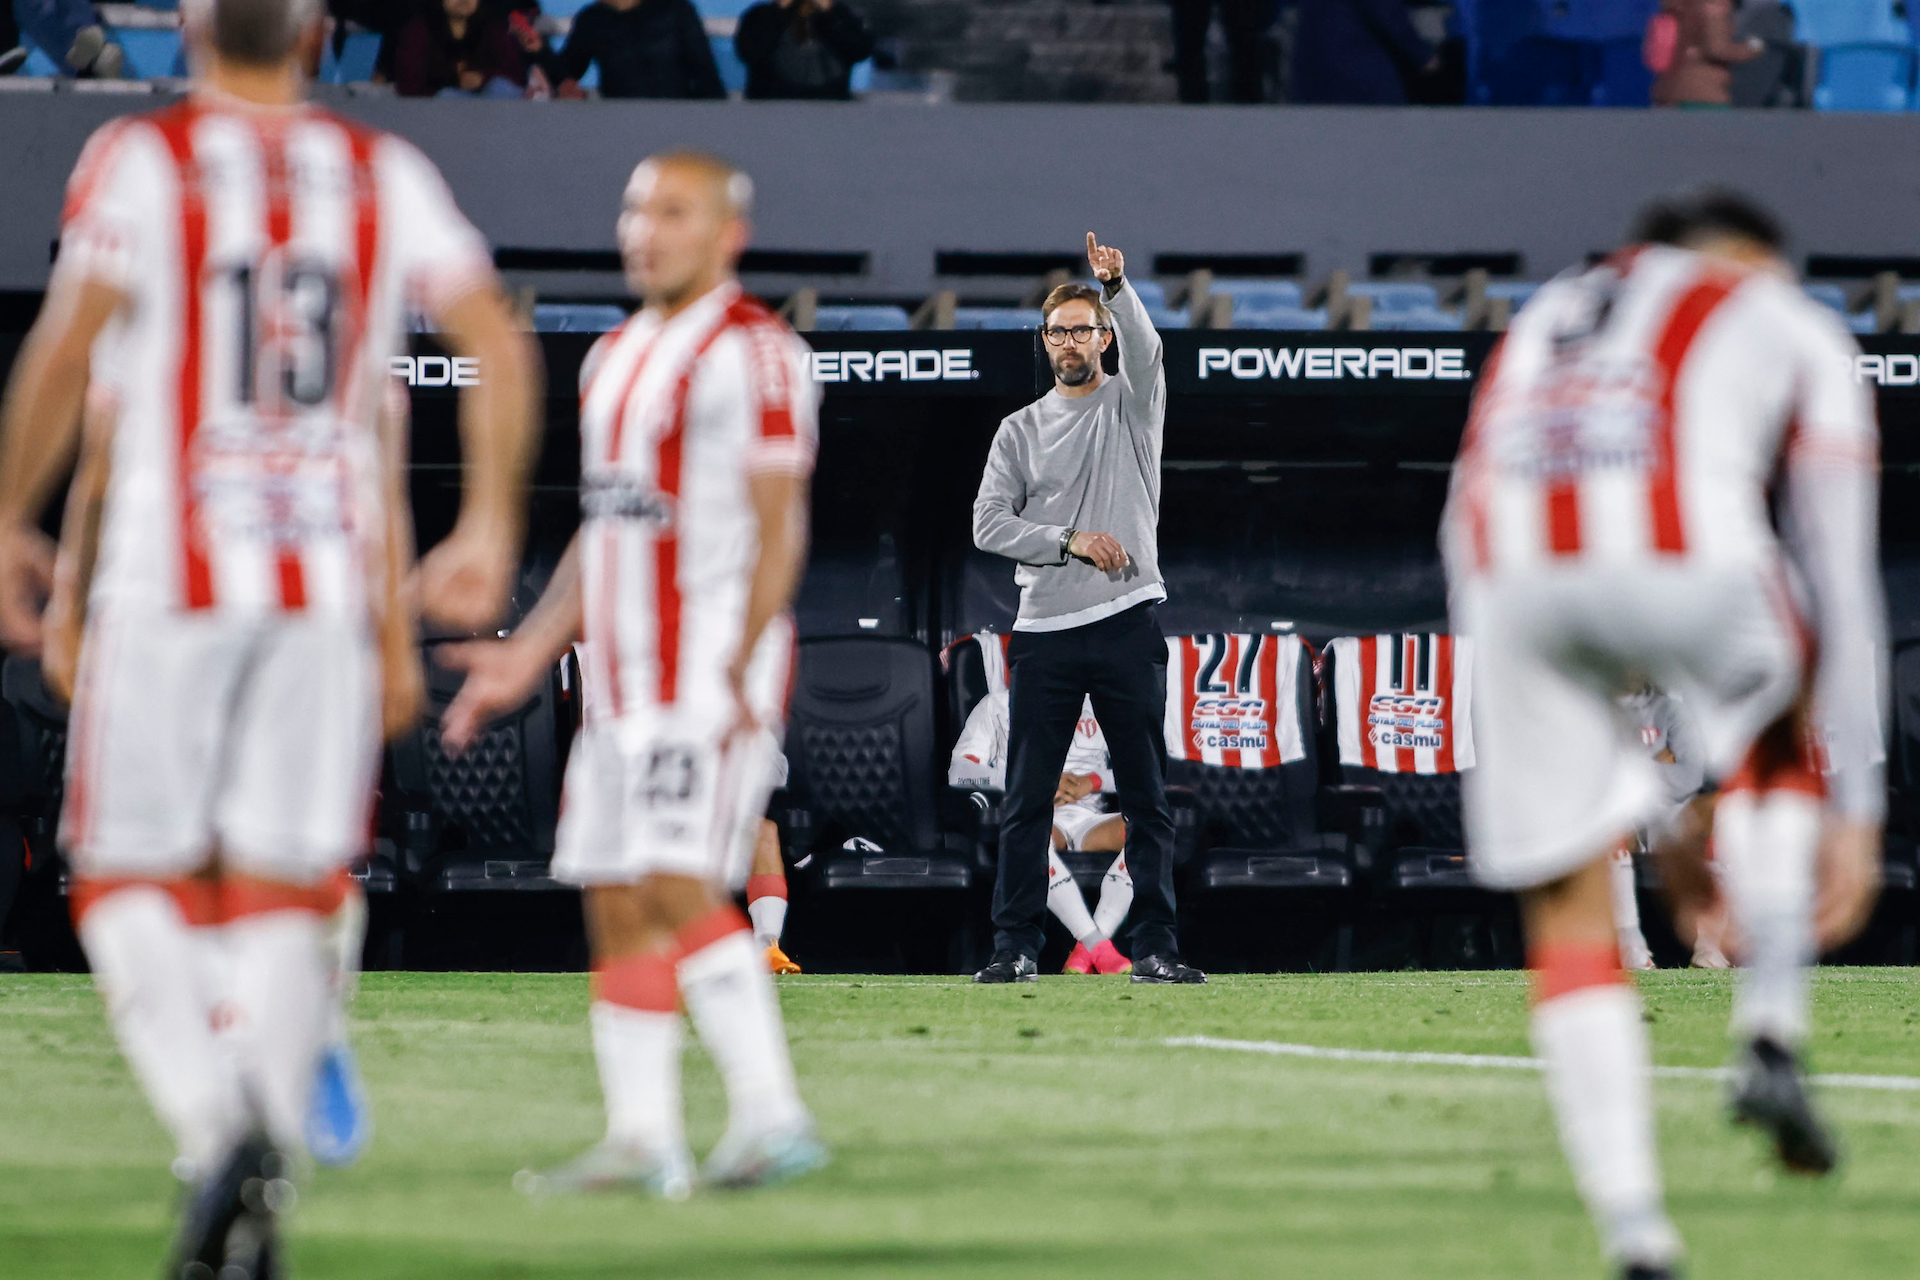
{"x": 1107, "y": 958}
{"x": 1079, "y": 960}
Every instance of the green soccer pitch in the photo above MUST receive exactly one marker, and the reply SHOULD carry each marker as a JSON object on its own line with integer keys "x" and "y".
{"x": 1041, "y": 1130}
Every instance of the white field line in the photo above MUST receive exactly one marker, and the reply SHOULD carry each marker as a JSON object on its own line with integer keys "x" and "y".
{"x": 1275, "y": 1048}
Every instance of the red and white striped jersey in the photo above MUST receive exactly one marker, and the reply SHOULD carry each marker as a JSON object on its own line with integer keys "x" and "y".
{"x": 1233, "y": 699}
{"x": 675, "y": 416}
{"x": 1404, "y": 702}
{"x": 1636, "y": 414}
{"x": 268, "y": 257}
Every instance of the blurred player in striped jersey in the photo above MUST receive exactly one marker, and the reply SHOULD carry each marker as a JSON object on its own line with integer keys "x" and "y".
{"x": 1609, "y": 526}
{"x": 244, "y": 265}
{"x": 697, "y": 428}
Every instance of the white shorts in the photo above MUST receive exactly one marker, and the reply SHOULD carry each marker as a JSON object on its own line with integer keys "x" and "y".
{"x": 663, "y": 791}
{"x": 193, "y": 732}
{"x": 1077, "y": 821}
{"x": 1562, "y": 774}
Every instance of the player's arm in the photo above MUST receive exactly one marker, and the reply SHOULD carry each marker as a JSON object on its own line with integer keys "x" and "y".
{"x": 39, "y": 429}
{"x": 403, "y": 680}
{"x": 779, "y": 500}
{"x": 66, "y": 615}
{"x": 502, "y": 674}
{"x": 998, "y": 526}
{"x": 1833, "y": 489}
{"x": 465, "y": 581}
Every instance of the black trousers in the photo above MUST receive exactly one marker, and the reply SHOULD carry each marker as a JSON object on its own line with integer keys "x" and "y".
{"x": 1121, "y": 663}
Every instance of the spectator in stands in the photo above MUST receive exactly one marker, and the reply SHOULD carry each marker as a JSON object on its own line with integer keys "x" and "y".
{"x": 801, "y": 48}
{"x": 1698, "y": 74}
{"x": 71, "y": 34}
{"x": 1245, "y": 24}
{"x": 644, "y": 48}
{"x": 1358, "y": 51}
{"x": 456, "y": 47}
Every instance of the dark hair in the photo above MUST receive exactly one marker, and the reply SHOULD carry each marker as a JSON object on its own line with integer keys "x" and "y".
{"x": 1691, "y": 216}
{"x": 1075, "y": 291}
{"x": 260, "y": 32}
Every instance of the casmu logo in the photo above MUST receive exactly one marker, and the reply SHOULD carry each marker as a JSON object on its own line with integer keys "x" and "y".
{"x": 901, "y": 366}
{"x": 436, "y": 371}
{"x": 1445, "y": 364}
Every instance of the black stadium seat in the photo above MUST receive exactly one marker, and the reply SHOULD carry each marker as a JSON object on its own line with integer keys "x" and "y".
{"x": 483, "y": 820}
{"x": 37, "y": 727}
{"x": 861, "y": 790}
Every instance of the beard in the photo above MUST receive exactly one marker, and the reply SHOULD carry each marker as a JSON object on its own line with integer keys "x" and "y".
{"x": 1073, "y": 370}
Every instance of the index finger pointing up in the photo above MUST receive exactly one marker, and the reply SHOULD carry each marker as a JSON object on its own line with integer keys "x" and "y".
{"x": 1092, "y": 244}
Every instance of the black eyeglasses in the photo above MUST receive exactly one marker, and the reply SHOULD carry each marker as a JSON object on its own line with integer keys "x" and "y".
{"x": 1057, "y": 336}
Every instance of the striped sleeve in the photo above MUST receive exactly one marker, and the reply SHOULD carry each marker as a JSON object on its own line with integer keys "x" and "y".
{"x": 439, "y": 255}
{"x": 784, "y": 409}
{"x": 103, "y": 222}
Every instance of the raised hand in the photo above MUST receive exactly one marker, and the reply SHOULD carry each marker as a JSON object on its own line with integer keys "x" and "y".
{"x": 1108, "y": 263}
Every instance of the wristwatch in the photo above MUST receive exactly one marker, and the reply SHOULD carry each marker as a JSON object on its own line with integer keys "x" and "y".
{"x": 1066, "y": 545}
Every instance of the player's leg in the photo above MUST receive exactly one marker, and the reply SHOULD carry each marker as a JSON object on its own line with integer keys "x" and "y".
{"x": 767, "y": 896}
{"x": 1766, "y": 834}
{"x": 339, "y": 1118}
{"x": 1116, "y": 894}
{"x": 1045, "y": 696}
{"x": 1586, "y": 1024}
{"x": 1634, "y": 952}
{"x": 1071, "y": 822}
{"x": 141, "y": 759}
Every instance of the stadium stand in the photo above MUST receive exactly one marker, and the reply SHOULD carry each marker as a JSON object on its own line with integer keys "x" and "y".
{"x": 577, "y": 317}
{"x": 869, "y": 319}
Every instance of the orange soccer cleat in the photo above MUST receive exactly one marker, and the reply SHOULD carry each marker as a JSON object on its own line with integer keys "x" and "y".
{"x": 777, "y": 961}
{"x": 1079, "y": 960}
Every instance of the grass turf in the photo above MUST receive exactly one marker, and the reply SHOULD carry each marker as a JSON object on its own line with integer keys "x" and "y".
{"x": 1032, "y": 1131}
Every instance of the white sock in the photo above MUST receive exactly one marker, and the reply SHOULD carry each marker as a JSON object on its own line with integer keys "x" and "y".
{"x": 281, "y": 997}
{"x": 1626, "y": 912}
{"x": 346, "y": 938}
{"x": 1116, "y": 898}
{"x": 1599, "y": 1083}
{"x": 1064, "y": 900}
{"x": 146, "y": 964}
{"x": 769, "y": 916}
{"x": 638, "y": 1051}
{"x": 1764, "y": 845}
{"x": 729, "y": 996}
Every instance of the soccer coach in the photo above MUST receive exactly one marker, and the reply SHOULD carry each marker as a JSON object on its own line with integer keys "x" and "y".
{"x": 1072, "y": 493}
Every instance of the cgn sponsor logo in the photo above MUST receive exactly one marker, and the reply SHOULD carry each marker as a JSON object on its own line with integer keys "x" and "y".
{"x": 1419, "y": 364}
{"x": 925, "y": 365}
{"x": 436, "y": 371}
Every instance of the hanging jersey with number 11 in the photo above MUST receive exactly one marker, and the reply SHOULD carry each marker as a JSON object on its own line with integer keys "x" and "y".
{"x": 268, "y": 256}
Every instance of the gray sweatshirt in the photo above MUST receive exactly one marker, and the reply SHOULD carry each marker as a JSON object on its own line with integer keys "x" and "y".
{"x": 1090, "y": 463}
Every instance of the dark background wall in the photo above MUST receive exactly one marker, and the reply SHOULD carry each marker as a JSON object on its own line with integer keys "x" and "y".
{"x": 903, "y": 182}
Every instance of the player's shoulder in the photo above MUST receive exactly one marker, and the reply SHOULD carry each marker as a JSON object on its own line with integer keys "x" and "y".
{"x": 125, "y": 140}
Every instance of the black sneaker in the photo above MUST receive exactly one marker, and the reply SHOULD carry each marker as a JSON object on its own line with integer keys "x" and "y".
{"x": 1647, "y": 1271}
{"x": 1009, "y": 966}
{"x": 1165, "y": 969}
{"x": 1769, "y": 1093}
{"x": 11, "y": 60}
{"x": 227, "y": 1230}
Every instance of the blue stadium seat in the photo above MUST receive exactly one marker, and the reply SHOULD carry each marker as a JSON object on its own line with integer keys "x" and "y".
{"x": 733, "y": 72}
{"x": 1518, "y": 292}
{"x": 577, "y": 317}
{"x": 1168, "y": 318}
{"x": 861, "y": 319}
{"x": 355, "y": 63}
{"x": 1259, "y": 295}
{"x": 719, "y": 8}
{"x": 995, "y": 318}
{"x": 563, "y": 8}
{"x": 1396, "y": 295}
{"x": 1865, "y": 77}
{"x": 38, "y": 63}
{"x": 1281, "y": 318}
{"x": 1840, "y": 22}
{"x": 1417, "y": 318}
{"x": 150, "y": 55}
{"x": 1835, "y": 296}
{"x": 1152, "y": 293}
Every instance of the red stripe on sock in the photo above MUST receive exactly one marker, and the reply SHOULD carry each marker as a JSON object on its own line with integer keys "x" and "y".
{"x": 198, "y": 900}
{"x": 1561, "y": 968}
{"x": 645, "y": 981}
{"x": 768, "y": 886}
{"x": 244, "y": 896}
{"x": 721, "y": 922}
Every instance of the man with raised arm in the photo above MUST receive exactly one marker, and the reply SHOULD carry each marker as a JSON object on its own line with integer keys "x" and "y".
{"x": 1072, "y": 494}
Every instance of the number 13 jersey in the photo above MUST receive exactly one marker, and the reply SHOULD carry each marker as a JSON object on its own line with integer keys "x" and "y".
{"x": 268, "y": 257}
